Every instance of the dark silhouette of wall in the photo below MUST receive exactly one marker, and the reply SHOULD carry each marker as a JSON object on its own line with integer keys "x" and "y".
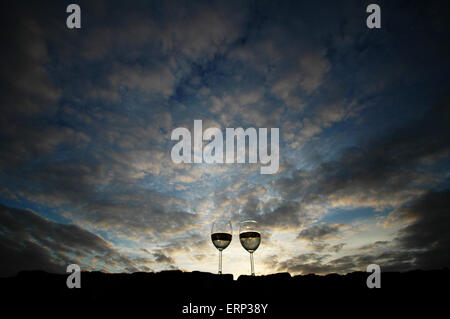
{"x": 163, "y": 295}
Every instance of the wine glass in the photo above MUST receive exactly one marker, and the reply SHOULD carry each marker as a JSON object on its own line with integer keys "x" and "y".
{"x": 250, "y": 238}
{"x": 221, "y": 235}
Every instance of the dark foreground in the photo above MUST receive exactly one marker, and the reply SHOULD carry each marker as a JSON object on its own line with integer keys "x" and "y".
{"x": 164, "y": 294}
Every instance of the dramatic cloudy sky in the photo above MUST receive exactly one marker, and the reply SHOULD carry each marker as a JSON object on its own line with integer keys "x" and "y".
{"x": 86, "y": 175}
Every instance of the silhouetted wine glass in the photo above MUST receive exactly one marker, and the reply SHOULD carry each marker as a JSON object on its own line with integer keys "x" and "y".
{"x": 221, "y": 235}
{"x": 250, "y": 238}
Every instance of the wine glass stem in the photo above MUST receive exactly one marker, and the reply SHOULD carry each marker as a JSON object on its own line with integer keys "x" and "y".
{"x": 251, "y": 262}
{"x": 220, "y": 262}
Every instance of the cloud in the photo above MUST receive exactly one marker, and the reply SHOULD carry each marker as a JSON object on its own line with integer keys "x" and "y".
{"x": 29, "y": 142}
{"x": 245, "y": 106}
{"x": 255, "y": 201}
{"x": 383, "y": 172}
{"x": 322, "y": 264}
{"x": 200, "y": 30}
{"x": 422, "y": 243}
{"x": 86, "y": 122}
{"x": 99, "y": 195}
{"x": 139, "y": 213}
{"x": 304, "y": 264}
{"x": 320, "y": 232}
{"x": 288, "y": 214}
{"x": 320, "y": 246}
{"x": 376, "y": 245}
{"x": 426, "y": 230}
{"x": 336, "y": 248}
{"x": 161, "y": 258}
{"x": 161, "y": 51}
{"x": 30, "y": 96}
{"x": 28, "y": 86}
{"x": 157, "y": 79}
{"x": 29, "y": 242}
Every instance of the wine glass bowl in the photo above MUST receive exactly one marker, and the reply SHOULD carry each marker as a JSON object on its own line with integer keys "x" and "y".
{"x": 221, "y": 236}
{"x": 250, "y": 238}
{"x": 221, "y": 240}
